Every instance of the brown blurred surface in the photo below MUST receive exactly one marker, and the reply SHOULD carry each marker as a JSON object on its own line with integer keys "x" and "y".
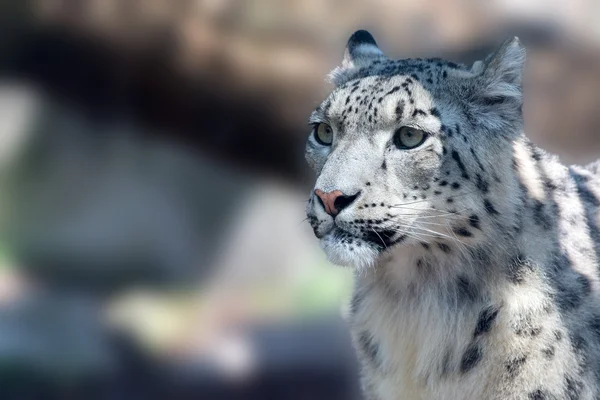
{"x": 187, "y": 65}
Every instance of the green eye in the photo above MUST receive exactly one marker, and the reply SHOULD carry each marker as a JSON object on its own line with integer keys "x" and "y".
{"x": 324, "y": 134}
{"x": 408, "y": 138}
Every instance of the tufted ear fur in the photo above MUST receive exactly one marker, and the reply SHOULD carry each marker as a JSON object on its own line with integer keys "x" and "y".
{"x": 360, "y": 51}
{"x": 501, "y": 73}
{"x": 496, "y": 94}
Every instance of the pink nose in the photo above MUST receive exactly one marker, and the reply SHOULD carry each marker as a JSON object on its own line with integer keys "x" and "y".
{"x": 328, "y": 200}
{"x": 335, "y": 201}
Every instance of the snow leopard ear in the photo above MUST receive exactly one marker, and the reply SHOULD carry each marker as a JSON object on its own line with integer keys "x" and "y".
{"x": 360, "y": 51}
{"x": 502, "y": 71}
{"x": 495, "y": 96}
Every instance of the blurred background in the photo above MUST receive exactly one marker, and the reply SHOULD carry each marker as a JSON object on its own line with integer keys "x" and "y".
{"x": 152, "y": 182}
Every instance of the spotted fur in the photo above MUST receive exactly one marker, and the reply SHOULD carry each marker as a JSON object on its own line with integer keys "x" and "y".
{"x": 476, "y": 253}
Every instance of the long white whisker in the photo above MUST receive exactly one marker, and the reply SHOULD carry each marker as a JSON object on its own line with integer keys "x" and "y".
{"x": 437, "y": 233}
{"x": 423, "y": 201}
{"x": 374, "y": 231}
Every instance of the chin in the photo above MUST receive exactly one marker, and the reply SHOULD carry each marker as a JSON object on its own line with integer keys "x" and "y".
{"x": 359, "y": 254}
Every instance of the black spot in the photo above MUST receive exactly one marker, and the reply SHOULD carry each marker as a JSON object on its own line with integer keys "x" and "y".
{"x": 513, "y": 367}
{"x": 482, "y": 184}
{"x": 393, "y": 90}
{"x": 532, "y": 331}
{"x": 444, "y": 247}
{"x": 455, "y": 185}
{"x": 574, "y": 388}
{"x": 549, "y": 352}
{"x": 435, "y": 112}
{"x": 518, "y": 270}
{"x": 486, "y": 318}
{"x": 443, "y": 183}
{"x": 450, "y": 200}
{"x": 474, "y": 221}
{"x": 460, "y": 164}
{"x": 538, "y": 395}
{"x": 461, "y": 231}
{"x": 470, "y": 359}
{"x": 437, "y": 192}
{"x": 489, "y": 207}
{"x": 418, "y": 112}
{"x": 400, "y": 110}
{"x": 425, "y": 245}
{"x": 445, "y": 74}
{"x": 384, "y": 165}
{"x": 558, "y": 335}
{"x": 368, "y": 183}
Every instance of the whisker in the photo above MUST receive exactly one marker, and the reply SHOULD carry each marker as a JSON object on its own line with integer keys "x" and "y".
{"x": 416, "y": 233}
{"x": 461, "y": 194}
{"x": 445, "y": 214}
{"x": 374, "y": 231}
{"x": 411, "y": 235}
{"x": 437, "y": 233}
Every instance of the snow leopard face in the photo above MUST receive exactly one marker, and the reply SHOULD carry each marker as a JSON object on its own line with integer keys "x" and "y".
{"x": 407, "y": 152}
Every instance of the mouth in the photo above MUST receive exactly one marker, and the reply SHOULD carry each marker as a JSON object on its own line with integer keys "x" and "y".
{"x": 345, "y": 248}
{"x": 380, "y": 239}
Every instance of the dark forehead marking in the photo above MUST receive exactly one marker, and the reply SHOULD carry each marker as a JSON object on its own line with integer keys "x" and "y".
{"x": 400, "y": 110}
{"x": 413, "y": 67}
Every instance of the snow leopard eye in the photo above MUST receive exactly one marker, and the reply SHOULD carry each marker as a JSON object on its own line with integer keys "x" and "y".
{"x": 408, "y": 138}
{"x": 324, "y": 134}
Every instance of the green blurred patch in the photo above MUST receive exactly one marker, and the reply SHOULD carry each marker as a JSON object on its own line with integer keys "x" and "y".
{"x": 324, "y": 289}
{"x": 5, "y": 257}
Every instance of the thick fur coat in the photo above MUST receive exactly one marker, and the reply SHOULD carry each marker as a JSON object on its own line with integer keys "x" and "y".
{"x": 476, "y": 253}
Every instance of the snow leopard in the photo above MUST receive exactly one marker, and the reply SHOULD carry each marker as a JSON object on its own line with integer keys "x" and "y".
{"x": 475, "y": 252}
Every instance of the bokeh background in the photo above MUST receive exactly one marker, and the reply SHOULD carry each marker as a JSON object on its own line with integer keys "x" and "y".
{"x": 152, "y": 182}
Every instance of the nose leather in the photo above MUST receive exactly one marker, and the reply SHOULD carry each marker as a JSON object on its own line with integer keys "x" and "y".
{"x": 328, "y": 200}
